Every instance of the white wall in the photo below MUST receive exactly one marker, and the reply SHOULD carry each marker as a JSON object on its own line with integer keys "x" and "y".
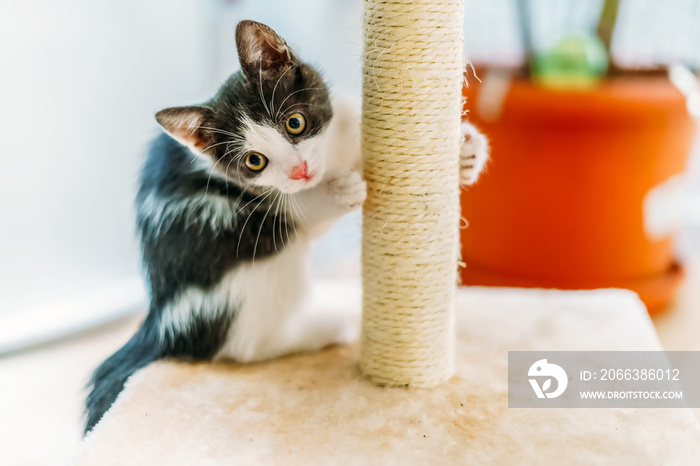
{"x": 80, "y": 82}
{"x": 325, "y": 33}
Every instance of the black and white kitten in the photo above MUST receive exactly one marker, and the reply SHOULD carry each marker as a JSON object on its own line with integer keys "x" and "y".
{"x": 229, "y": 201}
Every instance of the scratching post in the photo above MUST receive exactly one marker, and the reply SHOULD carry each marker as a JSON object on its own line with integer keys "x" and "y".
{"x": 412, "y": 82}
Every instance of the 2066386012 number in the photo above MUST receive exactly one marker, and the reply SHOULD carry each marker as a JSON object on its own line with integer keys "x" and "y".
{"x": 639, "y": 374}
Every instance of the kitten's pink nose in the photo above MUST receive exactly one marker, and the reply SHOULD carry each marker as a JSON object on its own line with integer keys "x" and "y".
{"x": 300, "y": 172}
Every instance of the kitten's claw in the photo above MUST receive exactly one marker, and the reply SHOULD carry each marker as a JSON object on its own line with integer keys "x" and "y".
{"x": 473, "y": 155}
{"x": 347, "y": 188}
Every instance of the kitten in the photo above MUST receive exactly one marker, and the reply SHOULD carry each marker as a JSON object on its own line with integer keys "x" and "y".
{"x": 229, "y": 200}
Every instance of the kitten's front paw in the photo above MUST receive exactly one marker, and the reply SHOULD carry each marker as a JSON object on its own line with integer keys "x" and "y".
{"x": 339, "y": 328}
{"x": 473, "y": 155}
{"x": 347, "y": 189}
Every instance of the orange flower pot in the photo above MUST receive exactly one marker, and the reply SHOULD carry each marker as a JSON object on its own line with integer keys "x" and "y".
{"x": 577, "y": 195}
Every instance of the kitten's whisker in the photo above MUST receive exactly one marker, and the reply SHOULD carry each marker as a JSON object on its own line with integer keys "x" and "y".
{"x": 240, "y": 196}
{"x": 238, "y": 173}
{"x": 252, "y": 211}
{"x": 231, "y": 151}
{"x": 238, "y": 200}
{"x": 254, "y": 199}
{"x": 214, "y": 145}
{"x": 300, "y": 207}
{"x": 283, "y": 217}
{"x": 274, "y": 220}
{"x": 211, "y": 172}
{"x": 227, "y": 142}
{"x": 286, "y": 216}
{"x": 227, "y": 168}
{"x": 226, "y": 176}
{"x": 272, "y": 99}
{"x": 291, "y": 106}
{"x": 262, "y": 225}
{"x": 219, "y": 130}
{"x": 299, "y": 103}
{"x": 294, "y": 214}
{"x": 298, "y": 91}
{"x": 294, "y": 224}
{"x": 262, "y": 95}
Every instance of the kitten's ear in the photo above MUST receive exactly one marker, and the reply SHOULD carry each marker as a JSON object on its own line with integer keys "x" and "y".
{"x": 187, "y": 125}
{"x": 262, "y": 51}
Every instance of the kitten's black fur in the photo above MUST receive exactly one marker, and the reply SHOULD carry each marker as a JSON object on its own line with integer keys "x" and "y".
{"x": 182, "y": 244}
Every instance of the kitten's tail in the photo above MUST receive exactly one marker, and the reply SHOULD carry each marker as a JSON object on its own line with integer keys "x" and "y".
{"x": 109, "y": 378}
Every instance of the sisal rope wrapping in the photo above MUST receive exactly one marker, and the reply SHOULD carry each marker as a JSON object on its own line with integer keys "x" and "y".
{"x": 412, "y": 83}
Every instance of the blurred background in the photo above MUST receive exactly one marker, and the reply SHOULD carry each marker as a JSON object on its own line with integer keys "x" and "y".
{"x": 81, "y": 81}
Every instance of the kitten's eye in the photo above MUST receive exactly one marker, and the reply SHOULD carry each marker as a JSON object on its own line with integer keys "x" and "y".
{"x": 255, "y": 161}
{"x": 295, "y": 124}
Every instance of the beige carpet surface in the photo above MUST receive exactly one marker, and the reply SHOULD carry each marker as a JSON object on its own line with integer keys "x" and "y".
{"x": 317, "y": 409}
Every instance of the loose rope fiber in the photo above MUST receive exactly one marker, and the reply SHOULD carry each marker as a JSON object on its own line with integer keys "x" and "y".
{"x": 412, "y": 82}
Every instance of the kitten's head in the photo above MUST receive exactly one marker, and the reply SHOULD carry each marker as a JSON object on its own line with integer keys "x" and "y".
{"x": 265, "y": 127}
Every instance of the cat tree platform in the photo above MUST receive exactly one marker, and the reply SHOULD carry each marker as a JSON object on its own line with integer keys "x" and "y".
{"x": 318, "y": 408}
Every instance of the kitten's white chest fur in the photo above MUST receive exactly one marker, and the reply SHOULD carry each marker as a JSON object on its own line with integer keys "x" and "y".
{"x": 266, "y": 292}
